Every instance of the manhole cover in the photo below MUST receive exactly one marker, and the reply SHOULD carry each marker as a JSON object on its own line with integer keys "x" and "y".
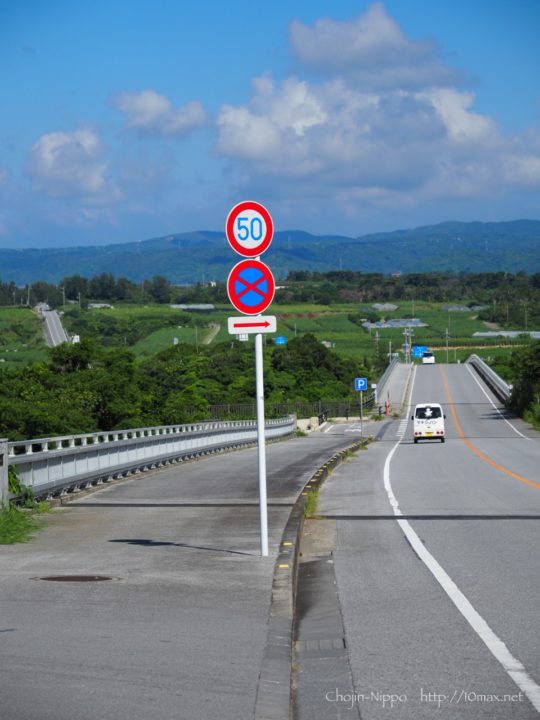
{"x": 76, "y": 578}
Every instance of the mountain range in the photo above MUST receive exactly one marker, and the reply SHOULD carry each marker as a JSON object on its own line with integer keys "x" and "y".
{"x": 201, "y": 256}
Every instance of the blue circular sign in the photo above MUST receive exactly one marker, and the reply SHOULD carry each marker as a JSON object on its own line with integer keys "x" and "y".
{"x": 251, "y": 287}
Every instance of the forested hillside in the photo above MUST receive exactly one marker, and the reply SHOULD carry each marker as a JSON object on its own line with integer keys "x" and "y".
{"x": 203, "y": 256}
{"x": 84, "y": 388}
{"x": 119, "y": 376}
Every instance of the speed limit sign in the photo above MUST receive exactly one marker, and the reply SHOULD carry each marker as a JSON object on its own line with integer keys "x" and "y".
{"x": 249, "y": 228}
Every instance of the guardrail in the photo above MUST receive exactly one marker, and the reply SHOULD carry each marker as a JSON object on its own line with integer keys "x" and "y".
{"x": 501, "y": 388}
{"x": 385, "y": 377}
{"x": 69, "y": 463}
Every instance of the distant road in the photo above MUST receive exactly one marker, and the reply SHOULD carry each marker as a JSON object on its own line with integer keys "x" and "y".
{"x": 52, "y": 326}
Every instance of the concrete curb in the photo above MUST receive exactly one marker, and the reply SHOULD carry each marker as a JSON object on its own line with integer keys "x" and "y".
{"x": 273, "y": 699}
{"x": 406, "y": 389}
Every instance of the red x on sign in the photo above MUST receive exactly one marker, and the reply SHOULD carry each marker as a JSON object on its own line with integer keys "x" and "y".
{"x": 251, "y": 287}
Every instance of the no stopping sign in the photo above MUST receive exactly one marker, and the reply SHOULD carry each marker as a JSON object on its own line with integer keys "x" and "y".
{"x": 251, "y": 287}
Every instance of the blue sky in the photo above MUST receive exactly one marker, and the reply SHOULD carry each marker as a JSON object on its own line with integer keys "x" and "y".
{"x": 124, "y": 121}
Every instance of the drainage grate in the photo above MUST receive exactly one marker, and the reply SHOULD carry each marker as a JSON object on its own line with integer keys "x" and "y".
{"x": 75, "y": 578}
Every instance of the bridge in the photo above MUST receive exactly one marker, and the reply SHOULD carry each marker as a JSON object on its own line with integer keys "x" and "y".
{"x": 416, "y": 587}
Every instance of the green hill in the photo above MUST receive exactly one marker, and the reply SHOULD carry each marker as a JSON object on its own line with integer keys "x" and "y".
{"x": 201, "y": 256}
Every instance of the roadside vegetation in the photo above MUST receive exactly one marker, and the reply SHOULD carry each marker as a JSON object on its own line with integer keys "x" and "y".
{"x": 524, "y": 371}
{"x": 19, "y": 522}
{"x": 84, "y": 387}
{"x": 21, "y": 337}
{"x": 143, "y": 362}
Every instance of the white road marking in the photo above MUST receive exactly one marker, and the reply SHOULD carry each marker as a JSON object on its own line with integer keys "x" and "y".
{"x": 495, "y": 645}
{"x": 496, "y": 408}
{"x": 402, "y": 428}
{"x": 328, "y": 428}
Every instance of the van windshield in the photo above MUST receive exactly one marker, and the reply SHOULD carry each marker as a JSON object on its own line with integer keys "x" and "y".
{"x": 428, "y": 413}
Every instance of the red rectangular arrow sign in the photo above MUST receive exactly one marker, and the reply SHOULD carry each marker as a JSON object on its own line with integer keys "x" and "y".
{"x": 258, "y": 324}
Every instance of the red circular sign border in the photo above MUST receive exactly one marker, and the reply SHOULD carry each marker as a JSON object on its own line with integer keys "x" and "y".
{"x": 229, "y": 228}
{"x": 267, "y": 301}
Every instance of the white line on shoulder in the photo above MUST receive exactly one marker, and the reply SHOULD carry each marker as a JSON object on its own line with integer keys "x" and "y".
{"x": 511, "y": 665}
{"x": 496, "y": 408}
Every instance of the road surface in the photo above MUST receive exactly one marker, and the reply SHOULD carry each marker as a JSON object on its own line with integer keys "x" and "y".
{"x": 434, "y": 549}
{"x": 179, "y": 631}
{"x": 53, "y": 329}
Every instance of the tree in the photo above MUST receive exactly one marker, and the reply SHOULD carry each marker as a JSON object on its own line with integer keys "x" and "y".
{"x": 160, "y": 289}
{"x": 69, "y": 358}
{"x": 525, "y": 373}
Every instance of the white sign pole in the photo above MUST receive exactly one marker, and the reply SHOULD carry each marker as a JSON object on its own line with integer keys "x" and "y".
{"x": 249, "y": 230}
{"x": 263, "y": 511}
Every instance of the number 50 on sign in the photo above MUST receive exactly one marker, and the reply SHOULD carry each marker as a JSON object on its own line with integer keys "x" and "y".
{"x": 249, "y": 228}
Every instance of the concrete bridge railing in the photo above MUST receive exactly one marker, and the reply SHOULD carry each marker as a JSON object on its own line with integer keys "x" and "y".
{"x": 57, "y": 465}
{"x": 501, "y": 388}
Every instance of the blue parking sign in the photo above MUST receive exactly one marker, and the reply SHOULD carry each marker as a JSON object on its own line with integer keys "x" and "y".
{"x": 360, "y": 384}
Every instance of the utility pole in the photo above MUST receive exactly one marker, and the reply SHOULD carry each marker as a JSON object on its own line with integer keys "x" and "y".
{"x": 408, "y": 333}
{"x": 447, "y": 346}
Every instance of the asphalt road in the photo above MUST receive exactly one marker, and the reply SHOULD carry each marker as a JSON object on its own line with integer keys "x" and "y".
{"x": 440, "y": 607}
{"x": 53, "y": 329}
{"x": 180, "y": 630}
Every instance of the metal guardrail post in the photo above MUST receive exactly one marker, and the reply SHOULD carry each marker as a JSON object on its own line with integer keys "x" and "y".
{"x": 4, "y": 486}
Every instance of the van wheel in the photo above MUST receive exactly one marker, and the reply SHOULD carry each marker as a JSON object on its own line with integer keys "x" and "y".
{"x": 415, "y": 440}
{"x": 442, "y": 439}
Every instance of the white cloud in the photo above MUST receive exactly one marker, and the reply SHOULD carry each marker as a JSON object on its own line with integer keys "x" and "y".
{"x": 329, "y": 131}
{"x": 463, "y": 125}
{"x": 149, "y": 111}
{"x": 523, "y": 169}
{"x": 372, "y": 48}
{"x": 382, "y": 127}
{"x": 242, "y": 134}
{"x": 63, "y": 163}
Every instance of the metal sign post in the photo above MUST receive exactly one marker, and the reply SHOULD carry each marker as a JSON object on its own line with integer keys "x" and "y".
{"x": 4, "y": 485}
{"x": 361, "y": 384}
{"x": 263, "y": 505}
{"x": 250, "y": 286}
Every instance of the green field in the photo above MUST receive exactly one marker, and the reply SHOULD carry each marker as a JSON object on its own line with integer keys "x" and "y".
{"x": 21, "y": 337}
{"x": 148, "y": 329}
{"x": 347, "y": 338}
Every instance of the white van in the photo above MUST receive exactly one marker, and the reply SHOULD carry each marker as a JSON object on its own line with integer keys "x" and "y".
{"x": 428, "y": 422}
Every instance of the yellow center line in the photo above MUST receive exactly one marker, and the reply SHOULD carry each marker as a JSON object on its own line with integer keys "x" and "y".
{"x": 472, "y": 446}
